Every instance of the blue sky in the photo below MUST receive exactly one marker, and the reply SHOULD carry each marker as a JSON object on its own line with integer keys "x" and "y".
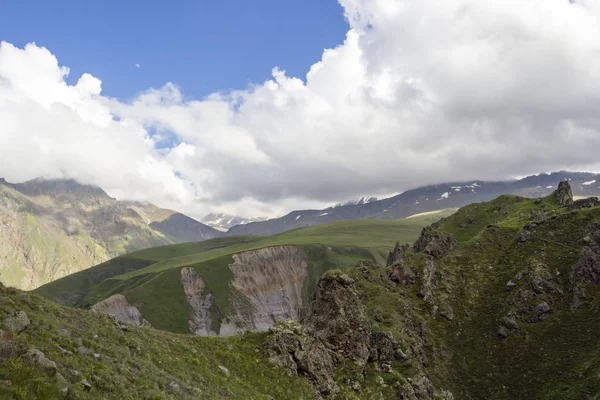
{"x": 202, "y": 46}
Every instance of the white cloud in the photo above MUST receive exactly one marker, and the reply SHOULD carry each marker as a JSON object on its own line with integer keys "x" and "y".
{"x": 137, "y": 66}
{"x": 419, "y": 92}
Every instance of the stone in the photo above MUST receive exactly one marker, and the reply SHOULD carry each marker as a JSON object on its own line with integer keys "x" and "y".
{"x": 403, "y": 275}
{"x": 97, "y": 356}
{"x": 564, "y": 194}
{"x": 449, "y": 315}
{"x": 510, "y": 323}
{"x": 36, "y": 357}
{"x": 585, "y": 203}
{"x": 502, "y": 332}
{"x": 86, "y": 385}
{"x": 224, "y": 370}
{"x": 17, "y": 322}
{"x": 540, "y": 312}
{"x": 173, "y": 386}
{"x": 8, "y": 346}
{"x": 83, "y": 351}
{"x": 386, "y": 367}
{"x": 124, "y": 328}
{"x": 63, "y": 384}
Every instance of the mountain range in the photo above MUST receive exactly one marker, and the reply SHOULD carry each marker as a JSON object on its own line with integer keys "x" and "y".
{"x": 497, "y": 300}
{"x": 52, "y": 228}
{"x": 425, "y": 199}
{"x": 57, "y": 227}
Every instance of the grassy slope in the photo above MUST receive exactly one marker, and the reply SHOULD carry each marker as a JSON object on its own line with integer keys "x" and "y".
{"x": 140, "y": 276}
{"x": 136, "y": 364}
{"x": 554, "y": 359}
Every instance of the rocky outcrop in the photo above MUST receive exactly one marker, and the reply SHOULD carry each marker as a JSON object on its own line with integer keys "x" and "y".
{"x": 118, "y": 306}
{"x": 199, "y": 301}
{"x": 585, "y": 203}
{"x": 296, "y": 349}
{"x": 398, "y": 253}
{"x": 339, "y": 318}
{"x": 436, "y": 244}
{"x": 272, "y": 279}
{"x": 564, "y": 194}
{"x": 533, "y": 291}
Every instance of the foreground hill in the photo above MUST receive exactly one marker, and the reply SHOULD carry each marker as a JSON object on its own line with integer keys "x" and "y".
{"x": 425, "y": 199}
{"x": 497, "y": 301}
{"x": 52, "y": 228}
{"x": 232, "y": 284}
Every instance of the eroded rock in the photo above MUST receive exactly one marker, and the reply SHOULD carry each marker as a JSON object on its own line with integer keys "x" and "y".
{"x": 272, "y": 279}
{"x": 118, "y": 306}
{"x": 339, "y": 318}
{"x": 199, "y": 301}
{"x": 296, "y": 349}
{"x": 564, "y": 194}
{"x": 436, "y": 244}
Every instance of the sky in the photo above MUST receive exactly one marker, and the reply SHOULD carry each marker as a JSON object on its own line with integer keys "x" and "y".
{"x": 259, "y": 108}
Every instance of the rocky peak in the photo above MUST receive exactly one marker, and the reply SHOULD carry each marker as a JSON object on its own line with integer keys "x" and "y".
{"x": 436, "y": 244}
{"x": 564, "y": 194}
{"x": 397, "y": 254}
{"x": 339, "y": 317}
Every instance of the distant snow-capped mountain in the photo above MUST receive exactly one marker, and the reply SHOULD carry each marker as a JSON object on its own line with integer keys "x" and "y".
{"x": 223, "y": 221}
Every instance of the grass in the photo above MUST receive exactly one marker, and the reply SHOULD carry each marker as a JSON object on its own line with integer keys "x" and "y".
{"x": 149, "y": 279}
{"x": 137, "y": 364}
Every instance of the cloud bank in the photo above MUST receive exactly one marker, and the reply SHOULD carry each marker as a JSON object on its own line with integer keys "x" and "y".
{"x": 419, "y": 92}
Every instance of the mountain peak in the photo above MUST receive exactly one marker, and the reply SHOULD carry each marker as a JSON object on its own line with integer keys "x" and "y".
{"x": 55, "y": 187}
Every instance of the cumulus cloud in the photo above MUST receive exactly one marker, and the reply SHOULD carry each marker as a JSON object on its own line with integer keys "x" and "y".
{"x": 419, "y": 92}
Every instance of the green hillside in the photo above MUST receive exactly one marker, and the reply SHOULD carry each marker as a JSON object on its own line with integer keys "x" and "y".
{"x": 149, "y": 279}
{"x": 498, "y": 301}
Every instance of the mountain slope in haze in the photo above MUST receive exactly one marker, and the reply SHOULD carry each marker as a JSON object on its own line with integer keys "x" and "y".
{"x": 223, "y": 222}
{"x": 424, "y": 199}
{"x": 52, "y": 228}
{"x": 497, "y": 301}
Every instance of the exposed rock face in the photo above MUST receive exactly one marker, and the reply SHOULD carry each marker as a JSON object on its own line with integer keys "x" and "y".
{"x": 398, "y": 253}
{"x": 535, "y": 284}
{"x": 339, "y": 318}
{"x": 585, "y": 203}
{"x": 419, "y": 388}
{"x": 118, "y": 306}
{"x": 436, "y": 244}
{"x": 199, "y": 302}
{"x": 272, "y": 278}
{"x": 403, "y": 275}
{"x": 296, "y": 349}
{"x": 564, "y": 194}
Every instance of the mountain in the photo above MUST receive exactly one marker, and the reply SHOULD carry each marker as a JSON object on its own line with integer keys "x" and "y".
{"x": 224, "y": 222}
{"x": 496, "y": 301}
{"x": 425, "y": 199}
{"x": 52, "y": 228}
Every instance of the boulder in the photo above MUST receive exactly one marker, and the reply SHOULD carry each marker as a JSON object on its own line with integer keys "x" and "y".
{"x": 564, "y": 194}
{"x": 37, "y": 358}
{"x": 16, "y": 322}
{"x": 8, "y": 346}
